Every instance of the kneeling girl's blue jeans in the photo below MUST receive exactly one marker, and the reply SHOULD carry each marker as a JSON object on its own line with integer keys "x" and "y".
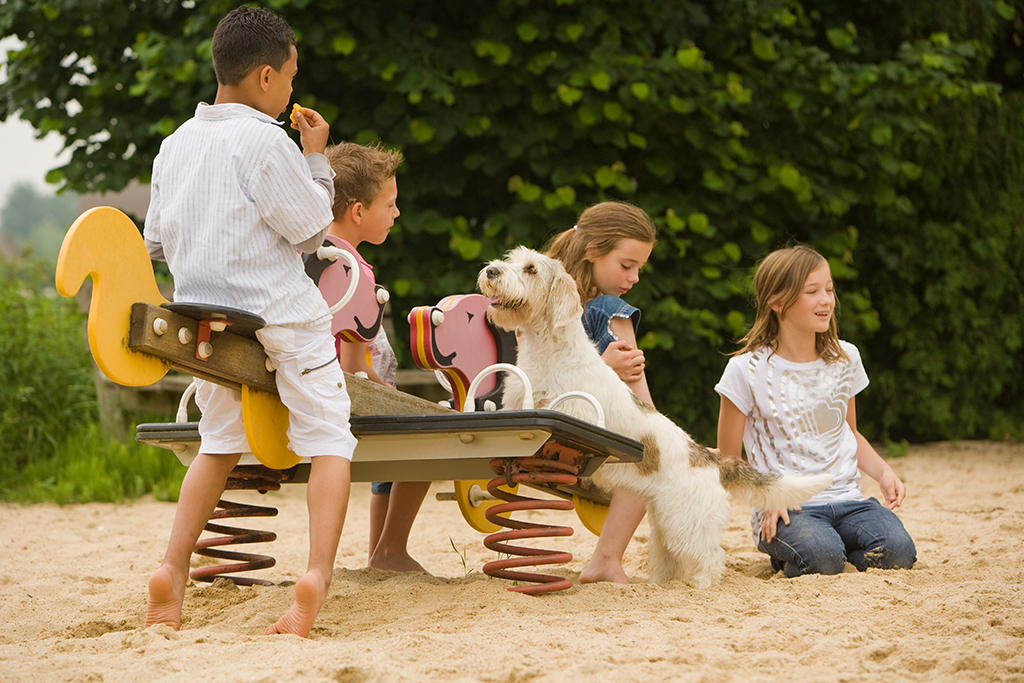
{"x": 821, "y": 539}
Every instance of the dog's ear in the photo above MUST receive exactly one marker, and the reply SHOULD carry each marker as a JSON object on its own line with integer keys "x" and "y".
{"x": 565, "y": 299}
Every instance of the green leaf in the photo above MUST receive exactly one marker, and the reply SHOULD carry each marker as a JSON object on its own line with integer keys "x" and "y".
{"x": 713, "y": 181}
{"x": 49, "y": 124}
{"x": 476, "y": 126}
{"x": 674, "y": 221}
{"x": 881, "y": 135}
{"x": 567, "y": 194}
{"x": 841, "y": 38}
{"x": 587, "y": 115}
{"x": 911, "y": 170}
{"x": 500, "y": 53}
{"x": 760, "y": 232}
{"x": 528, "y": 192}
{"x": 569, "y": 94}
{"x": 600, "y": 81}
{"x": 698, "y": 222}
{"x": 641, "y": 91}
{"x": 574, "y": 31}
{"x": 793, "y": 100}
{"x": 613, "y": 111}
{"x": 541, "y": 62}
{"x": 637, "y": 140}
{"x": 679, "y": 105}
{"x": 1005, "y": 10}
{"x": 186, "y": 71}
{"x": 422, "y": 131}
{"x": 605, "y": 176}
{"x": 527, "y": 32}
{"x": 733, "y": 251}
{"x": 466, "y": 247}
{"x": 764, "y": 48}
{"x": 343, "y": 45}
{"x": 734, "y": 86}
{"x": 789, "y": 177}
{"x": 838, "y": 206}
{"x": 466, "y": 77}
{"x": 689, "y": 57}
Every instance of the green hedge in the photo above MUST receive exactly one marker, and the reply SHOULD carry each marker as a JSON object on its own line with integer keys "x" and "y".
{"x": 885, "y": 134}
{"x": 46, "y": 386}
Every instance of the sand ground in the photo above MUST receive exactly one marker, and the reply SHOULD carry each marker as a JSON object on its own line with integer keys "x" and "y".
{"x": 73, "y": 580}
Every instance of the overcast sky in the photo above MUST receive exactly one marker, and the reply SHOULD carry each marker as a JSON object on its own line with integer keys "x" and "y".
{"x": 26, "y": 159}
{"x": 23, "y": 158}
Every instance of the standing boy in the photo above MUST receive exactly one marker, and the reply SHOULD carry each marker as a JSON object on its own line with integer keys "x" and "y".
{"x": 232, "y": 201}
{"x": 365, "y": 208}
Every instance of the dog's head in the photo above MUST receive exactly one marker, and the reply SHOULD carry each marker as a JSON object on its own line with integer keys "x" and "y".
{"x": 529, "y": 292}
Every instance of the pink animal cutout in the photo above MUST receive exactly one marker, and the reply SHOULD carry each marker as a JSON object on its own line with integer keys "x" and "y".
{"x": 360, "y": 319}
{"x": 455, "y": 337}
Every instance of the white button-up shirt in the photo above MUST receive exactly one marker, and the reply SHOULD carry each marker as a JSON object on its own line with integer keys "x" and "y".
{"x": 231, "y": 196}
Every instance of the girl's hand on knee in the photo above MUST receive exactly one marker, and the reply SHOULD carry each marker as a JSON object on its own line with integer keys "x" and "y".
{"x": 893, "y": 490}
{"x": 771, "y": 523}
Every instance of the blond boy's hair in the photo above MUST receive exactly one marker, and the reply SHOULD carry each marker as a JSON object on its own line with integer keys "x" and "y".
{"x": 360, "y": 172}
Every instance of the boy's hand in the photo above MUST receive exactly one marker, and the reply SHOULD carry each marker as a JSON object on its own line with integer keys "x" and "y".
{"x": 893, "y": 490}
{"x": 627, "y": 362}
{"x": 313, "y": 129}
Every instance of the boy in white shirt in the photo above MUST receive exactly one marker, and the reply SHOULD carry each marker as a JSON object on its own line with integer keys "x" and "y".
{"x": 233, "y": 200}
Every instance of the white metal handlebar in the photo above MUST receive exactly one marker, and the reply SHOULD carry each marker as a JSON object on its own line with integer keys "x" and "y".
{"x": 333, "y": 254}
{"x": 490, "y": 370}
{"x": 584, "y": 395}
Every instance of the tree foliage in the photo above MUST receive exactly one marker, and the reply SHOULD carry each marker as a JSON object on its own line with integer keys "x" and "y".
{"x": 739, "y": 125}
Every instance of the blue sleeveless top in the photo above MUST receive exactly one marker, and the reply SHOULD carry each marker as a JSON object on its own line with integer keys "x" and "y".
{"x": 597, "y": 318}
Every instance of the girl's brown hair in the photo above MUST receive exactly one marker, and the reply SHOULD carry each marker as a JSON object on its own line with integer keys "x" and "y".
{"x": 778, "y": 282}
{"x": 596, "y": 233}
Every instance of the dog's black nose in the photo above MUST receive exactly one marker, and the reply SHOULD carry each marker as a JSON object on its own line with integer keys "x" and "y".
{"x": 491, "y": 272}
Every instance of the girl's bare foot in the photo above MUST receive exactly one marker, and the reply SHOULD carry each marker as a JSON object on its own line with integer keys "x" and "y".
{"x": 165, "y": 598}
{"x": 595, "y": 572}
{"x": 310, "y": 594}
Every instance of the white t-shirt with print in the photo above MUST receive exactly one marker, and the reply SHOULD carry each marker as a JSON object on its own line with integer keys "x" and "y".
{"x": 796, "y": 416}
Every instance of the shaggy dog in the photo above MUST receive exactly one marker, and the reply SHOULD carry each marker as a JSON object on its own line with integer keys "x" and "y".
{"x": 683, "y": 484}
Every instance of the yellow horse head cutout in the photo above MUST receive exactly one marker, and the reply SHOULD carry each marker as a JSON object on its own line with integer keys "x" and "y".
{"x": 104, "y": 244}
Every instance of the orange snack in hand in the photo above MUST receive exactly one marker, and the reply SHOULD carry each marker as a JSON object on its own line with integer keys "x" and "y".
{"x": 296, "y": 109}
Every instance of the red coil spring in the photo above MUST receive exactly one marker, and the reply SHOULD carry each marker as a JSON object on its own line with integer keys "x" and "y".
{"x": 532, "y": 470}
{"x": 248, "y": 478}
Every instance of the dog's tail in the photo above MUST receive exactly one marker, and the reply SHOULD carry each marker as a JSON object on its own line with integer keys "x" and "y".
{"x": 769, "y": 491}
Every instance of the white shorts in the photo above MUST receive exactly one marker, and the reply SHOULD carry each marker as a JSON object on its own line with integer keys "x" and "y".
{"x": 311, "y": 385}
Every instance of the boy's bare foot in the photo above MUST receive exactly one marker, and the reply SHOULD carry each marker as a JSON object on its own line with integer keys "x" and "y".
{"x": 310, "y": 594}
{"x": 595, "y": 572}
{"x": 401, "y": 562}
{"x": 165, "y": 598}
